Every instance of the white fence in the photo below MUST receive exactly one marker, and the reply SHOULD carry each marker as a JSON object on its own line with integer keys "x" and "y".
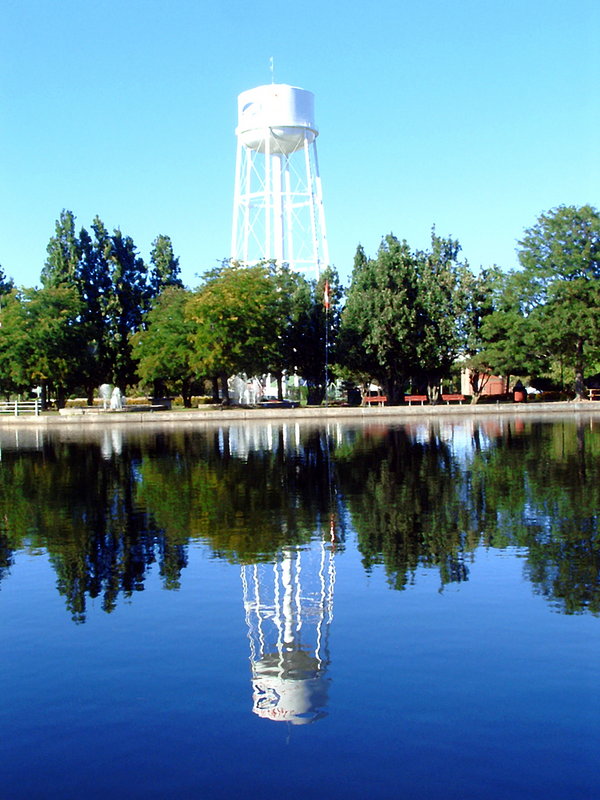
{"x": 18, "y": 407}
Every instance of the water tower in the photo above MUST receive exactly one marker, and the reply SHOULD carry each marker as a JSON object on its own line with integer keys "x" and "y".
{"x": 278, "y": 200}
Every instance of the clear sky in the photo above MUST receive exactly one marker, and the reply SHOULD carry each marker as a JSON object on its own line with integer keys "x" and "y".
{"x": 473, "y": 115}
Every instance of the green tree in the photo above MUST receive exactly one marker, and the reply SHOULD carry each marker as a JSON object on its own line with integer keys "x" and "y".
{"x": 164, "y": 270}
{"x": 62, "y": 262}
{"x": 6, "y": 284}
{"x": 439, "y": 307}
{"x": 380, "y": 315}
{"x": 162, "y": 347}
{"x": 400, "y": 320}
{"x": 12, "y": 342}
{"x": 549, "y": 310}
{"x": 129, "y": 299}
{"x": 115, "y": 289}
{"x": 560, "y": 257}
{"x": 41, "y": 339}
{"x": 237, "y": 321}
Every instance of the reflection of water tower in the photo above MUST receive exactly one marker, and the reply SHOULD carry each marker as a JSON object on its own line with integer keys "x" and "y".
{"x": 289, "y": 608}
{"x": 278, "y": 202}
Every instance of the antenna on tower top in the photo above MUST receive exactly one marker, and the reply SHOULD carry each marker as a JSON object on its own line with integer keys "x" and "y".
{"x": 272, "y": 68}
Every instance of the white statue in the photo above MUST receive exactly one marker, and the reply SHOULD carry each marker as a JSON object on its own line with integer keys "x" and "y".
{"x": 104, "y": 392}
{"x": 116, "y": 399}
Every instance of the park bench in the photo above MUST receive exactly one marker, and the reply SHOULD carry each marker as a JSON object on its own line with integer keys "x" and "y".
{"x": 378, "y": 399}
{"x": 594, "y": 394}
{"x": 453, "y": 398}
{"x": 415, "y": 398}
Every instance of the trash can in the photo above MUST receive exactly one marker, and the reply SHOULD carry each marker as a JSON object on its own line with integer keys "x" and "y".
{"x": 519, "y": 393}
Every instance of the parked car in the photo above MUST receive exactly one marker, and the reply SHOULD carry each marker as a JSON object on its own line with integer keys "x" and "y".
{"x": 272, "y": 402}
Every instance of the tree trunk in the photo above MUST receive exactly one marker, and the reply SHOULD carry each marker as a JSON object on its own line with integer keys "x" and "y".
{"x": 394, "y": 391}
{"x": 579, "y": 383}
{"x": 215, "y": 389}
{"x": 61, "y": 397}
{"x": 44, "y": 395}
{"x": 225, "y": 390}
{"x": 478, "y": 381}
{"x": 186, "y": 393}
{"x": 279, "y": 379}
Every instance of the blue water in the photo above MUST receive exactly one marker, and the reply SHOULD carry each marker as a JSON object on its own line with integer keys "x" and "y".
{"x": 484, "y": 685}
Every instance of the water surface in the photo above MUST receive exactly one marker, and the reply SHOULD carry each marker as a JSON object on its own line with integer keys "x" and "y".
{"x": 350, "y": 611}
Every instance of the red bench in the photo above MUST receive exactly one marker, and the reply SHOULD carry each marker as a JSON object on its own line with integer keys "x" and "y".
{"x": 453, "y": 398}
{"x": 379, "y": 399}
{"x": 415, "y": 398}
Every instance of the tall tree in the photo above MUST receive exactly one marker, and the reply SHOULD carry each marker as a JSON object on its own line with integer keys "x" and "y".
{"x": 548, "y": 311}
{"x": 439, "y": 306}
{"x": 164, "y": 270}
{"x": 62, "y": 262}
{"x": 95, "y": 289}
{"x": 130, "y": 298}
{"x": 380, "y": 315}
{"x": 400, "y": 320}
{"x": 162, "y": 347}
{"x": 560, "y": 257}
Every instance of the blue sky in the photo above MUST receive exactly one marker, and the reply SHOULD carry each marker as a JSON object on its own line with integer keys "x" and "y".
{"x": 473, "y": 116}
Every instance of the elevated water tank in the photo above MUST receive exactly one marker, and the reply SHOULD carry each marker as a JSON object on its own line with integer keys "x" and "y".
{"x": 280, "y": 114}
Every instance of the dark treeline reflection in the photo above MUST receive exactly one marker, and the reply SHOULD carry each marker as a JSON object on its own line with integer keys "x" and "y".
{"x": 108, "y": 509}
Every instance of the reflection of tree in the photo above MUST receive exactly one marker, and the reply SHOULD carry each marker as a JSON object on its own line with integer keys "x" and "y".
{"x": 531, "y": 485}
{"x": 247, "y": 508}
{"x": 404, "y": 497}
{"x": 6, "y": 555}
{"x": 106, "y": 515}
{"x": 80, "y": 508}
{"x": 539, "y": 488}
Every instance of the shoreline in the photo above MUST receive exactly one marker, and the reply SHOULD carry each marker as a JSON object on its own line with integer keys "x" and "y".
{"x": 85, "y": 418}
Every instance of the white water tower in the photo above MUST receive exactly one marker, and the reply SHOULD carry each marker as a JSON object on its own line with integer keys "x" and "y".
{"x": 278, "y": 201}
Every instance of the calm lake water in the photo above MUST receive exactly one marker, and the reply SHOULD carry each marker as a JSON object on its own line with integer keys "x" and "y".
{"x": 369, "y": 611}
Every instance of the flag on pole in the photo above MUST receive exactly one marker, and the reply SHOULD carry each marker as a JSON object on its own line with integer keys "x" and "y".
{"x": 326, "y": 296}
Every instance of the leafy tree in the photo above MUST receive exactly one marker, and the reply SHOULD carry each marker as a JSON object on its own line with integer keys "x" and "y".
{"x": 6, "y": 284}
{"x": 94, "y": 284}
{"x": 400, "y": 320}
{"x": 380, "y": 315}
{"x": 162, "y": 347}
{"x": 41, "y": 339}
{"x": 164, "y": 271}
{"x": 129, "y": 299}
{"x": 115, "y": 289}
{"x": 549, "y": 310}
{"x": 439, "y": 307}
{"x": 560, "y": 256}
{"x": 62, "y": 262}
{"x": 237, "y": 321}
{"x": 355, "y": 363}
{"x": 12, "y": 341}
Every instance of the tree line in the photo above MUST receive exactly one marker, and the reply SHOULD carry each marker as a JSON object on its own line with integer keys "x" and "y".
{"x": 407, "y": 318}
